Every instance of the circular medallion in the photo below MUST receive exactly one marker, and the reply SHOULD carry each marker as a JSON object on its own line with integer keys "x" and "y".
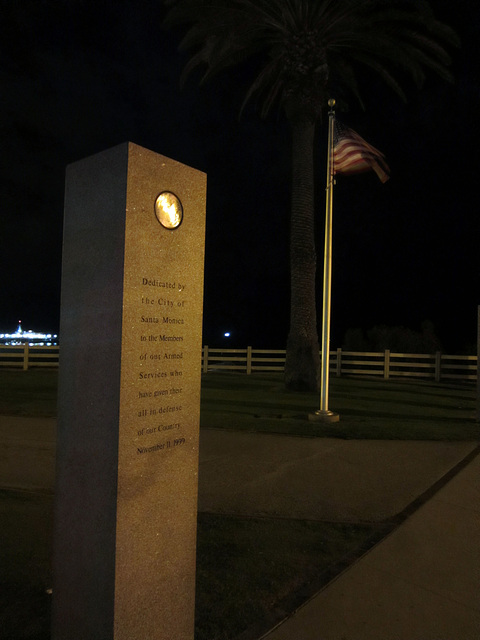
{"x": 169, "y": 210}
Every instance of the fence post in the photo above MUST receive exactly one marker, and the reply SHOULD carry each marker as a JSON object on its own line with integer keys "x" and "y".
{"x": 249, "y": 360}
{"x": 386, "y": 365}
{"x": 25, "y": 356}
{"x": 339, "y": 362}
{"x": 205, "y": 358}
{"x": 438, "y": 366}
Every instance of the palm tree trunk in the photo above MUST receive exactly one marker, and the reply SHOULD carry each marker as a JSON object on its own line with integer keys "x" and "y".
{"x": 302, "y": 365}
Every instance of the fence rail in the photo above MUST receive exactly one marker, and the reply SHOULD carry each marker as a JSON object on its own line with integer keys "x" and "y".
{"x": 384, "y": 364}
{"x": 437, "y": 366}
{"x": 25, "y": 356}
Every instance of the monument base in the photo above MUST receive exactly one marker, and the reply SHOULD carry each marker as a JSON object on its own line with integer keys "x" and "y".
{"x": 323, "y": 416}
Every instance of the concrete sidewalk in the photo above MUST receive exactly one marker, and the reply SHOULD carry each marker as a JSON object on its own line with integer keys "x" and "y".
{"x": 27, "y": 453}
{"x": 268, "y": 475}
{"x": 422, "y": 582}
{"x": 318, "y": 478}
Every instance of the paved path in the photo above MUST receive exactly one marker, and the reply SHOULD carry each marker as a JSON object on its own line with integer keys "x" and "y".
{"x": 262, "y": 474}
{"x": 27, "y": 453}
{"x": 420, "y": 583}
{"x": 318, "y": 478}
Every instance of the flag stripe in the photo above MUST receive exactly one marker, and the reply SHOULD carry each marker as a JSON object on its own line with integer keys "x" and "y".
{"x": 353, "y": 154}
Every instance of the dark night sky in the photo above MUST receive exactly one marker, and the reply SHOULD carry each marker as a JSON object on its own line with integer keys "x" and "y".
{"x": 78, "y": 77}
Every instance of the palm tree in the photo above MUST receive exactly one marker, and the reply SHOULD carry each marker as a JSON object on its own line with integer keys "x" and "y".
{"x": 304, "y": 51}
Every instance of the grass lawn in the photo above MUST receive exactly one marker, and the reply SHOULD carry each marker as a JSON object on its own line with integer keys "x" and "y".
{"x": 260, "y": 570}
{"x": 369, "y": 408}
{"x": 251, "y": 572}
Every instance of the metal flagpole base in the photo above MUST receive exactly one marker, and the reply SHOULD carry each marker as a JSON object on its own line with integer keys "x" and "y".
{"x": 323, "y": 416}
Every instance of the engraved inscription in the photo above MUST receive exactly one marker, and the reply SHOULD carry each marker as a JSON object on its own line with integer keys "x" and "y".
{"x": 160, "y": 359}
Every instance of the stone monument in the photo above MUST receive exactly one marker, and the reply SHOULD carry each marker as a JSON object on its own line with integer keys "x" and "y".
{"x": 129, "y": 398}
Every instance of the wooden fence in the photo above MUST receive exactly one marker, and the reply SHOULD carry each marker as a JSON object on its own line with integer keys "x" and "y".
{"x": 385, "y": 364}
{"x": 437, "y": 366}
{"x": 25, "y": 356}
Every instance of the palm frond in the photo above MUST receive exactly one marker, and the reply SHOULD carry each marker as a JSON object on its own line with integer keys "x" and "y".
{"x": 268, "y": 77}
{"x": 344, "y": 80}
{"x": 381, "y": 71}
{"x": 304, "y": 42}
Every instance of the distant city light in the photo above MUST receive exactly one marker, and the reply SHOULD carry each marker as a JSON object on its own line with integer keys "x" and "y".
{"x": 31, "y": 337}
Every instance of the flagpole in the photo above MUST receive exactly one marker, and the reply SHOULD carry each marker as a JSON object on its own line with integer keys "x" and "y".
{"x": 324, "y": 414}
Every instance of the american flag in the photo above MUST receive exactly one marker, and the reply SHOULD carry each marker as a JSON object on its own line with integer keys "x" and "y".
{"x": 352, "y": 154}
